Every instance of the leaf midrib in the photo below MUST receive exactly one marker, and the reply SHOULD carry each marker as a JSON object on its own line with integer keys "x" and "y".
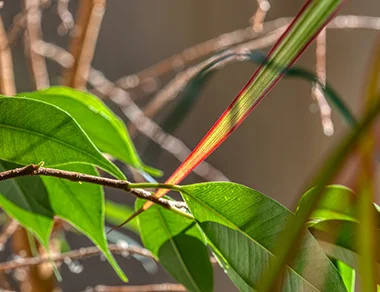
{"x": 176, "y": 250}
{"x": 55, "y": 140}
{"x": 237, "y": 228}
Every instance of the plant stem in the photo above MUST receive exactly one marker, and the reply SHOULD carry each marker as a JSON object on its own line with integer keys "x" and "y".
{"x": 7, "y": 82}
{"x": 82, "y": 47}
{"x": 165, "y": 287}
{"x": 155, "y": 186}
{"x": 33, "y": 35}
{"x": 35, "y": 169}
{"x": 74, "y": 255}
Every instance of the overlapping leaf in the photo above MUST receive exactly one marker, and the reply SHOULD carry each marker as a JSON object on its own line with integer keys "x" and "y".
{"x": 82, "y": 205}
{"x": 178, "y": 244}
{"x": 311, "y": 19}
{"x": 34, "y": 201}
{"x": 335, "y": 222}
{"x": 104, "y": 128}
{"x": 32, "y": 131}
{"x": 27, "y": 200}
{"x": 243, "y": 226}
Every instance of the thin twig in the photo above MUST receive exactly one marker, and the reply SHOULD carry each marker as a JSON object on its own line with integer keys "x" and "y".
{"x": 33, "y": 34}
{"x": 148, "y": 127}
{"x": 230, "y": 39}
{"x": 166, "y": 287}
{"x": 106, "y": 88}
{"x": 81, "y": 253}
{"x": 324, "y": 107}
{"x": 260, "y": 14}
{"x": 198, "y": 51}
{"x": 83, "y": 44}
{"x": 67, "y": 21}
{"x": 35, "y": 169}
{"x": 174, "y": 87}
{"x": 7, "y": 81}
{"x": 7, "y": 232}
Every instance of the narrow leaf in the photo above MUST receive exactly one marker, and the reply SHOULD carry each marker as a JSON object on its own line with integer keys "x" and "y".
{"x": 311, "y": 19}
{"x": 32, "y": 131}
{"x": 116, "y": 213}
{"x": 103, "y": 127}
{"x": 243, "y": 226}
{"x": 179, "y": 246}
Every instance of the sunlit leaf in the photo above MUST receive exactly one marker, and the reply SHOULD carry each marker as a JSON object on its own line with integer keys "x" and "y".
{"x": 337, "y": 203}
{"x": 27, "y": 200}
{"x": 348, "y": 275}
{"x": 178, "y": 245}
{"x": 82, "y": 205}
{"x": 243, "y": 226}
{"x": 311, "y": 19}
{"x": 32, "y": 131}
{"x": 103, "y": 127}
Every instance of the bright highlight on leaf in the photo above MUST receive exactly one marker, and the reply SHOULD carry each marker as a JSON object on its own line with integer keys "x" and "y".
{"x": 243, "y": 227}
{"x": 311, "y": 19}
{"x": 103, "y": 127}
{"x": 32, "y": 131}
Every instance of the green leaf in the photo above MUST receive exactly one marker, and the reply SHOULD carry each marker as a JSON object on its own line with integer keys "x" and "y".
{"x": 337, "y": 203}
{"x": 34, "y": 201}
{"x": 82, "y": 205}
{"x": 335, "y": 222}
{"x": 348, "y": 275}
{"x": 26, "y": 200}
{"x": 32, "y": 131}
{"x": 116, "y": 214}
{"x": 178, "y": 244}
{"x": 243, "y": 226}
{"x": 103, "y": 127}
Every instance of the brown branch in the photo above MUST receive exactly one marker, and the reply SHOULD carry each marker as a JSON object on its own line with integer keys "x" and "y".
{"x": 260, "y": 14}
{"x": 33, "y": 35}
{"x": 197, "y": 52}
{"x": 34, "y": 169}
{"x": 7, "y": 81}
{"x": 166, "y": 287}
{"x": 231, "y": 39}
{"x": 67, "y": 21}
{"x": 148, "y": 127}
{"x": 74, "y": 255}
{"x": 174, "y": 87}
{"x": 324, "y": 107}
{"x": 83, "y": 44}
{"x": 106, "y": 88}
{"x": 7, "y": 232}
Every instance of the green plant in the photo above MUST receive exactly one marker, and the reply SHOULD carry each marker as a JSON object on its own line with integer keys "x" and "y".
{"x": 52, "y": 147}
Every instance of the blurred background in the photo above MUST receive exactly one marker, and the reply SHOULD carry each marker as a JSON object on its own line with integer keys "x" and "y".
{"x": 276, "y": 150}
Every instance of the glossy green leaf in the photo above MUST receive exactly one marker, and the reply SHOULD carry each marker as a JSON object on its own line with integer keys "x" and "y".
{"x": 335, "y": 222}
{"x": 32, "y": 131}
{"x": 82, "y": 205}
{"x": 27, "y": 200}
{"x": 313, "y": 16}
{"x": 116, "y": 214}
{"x": 348, "y": 275}
{"x": 337, "y": 203}
{"x": 103, "y": 127}
{"x": 243, "y": 226}
{"x": 178, "y": 244}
